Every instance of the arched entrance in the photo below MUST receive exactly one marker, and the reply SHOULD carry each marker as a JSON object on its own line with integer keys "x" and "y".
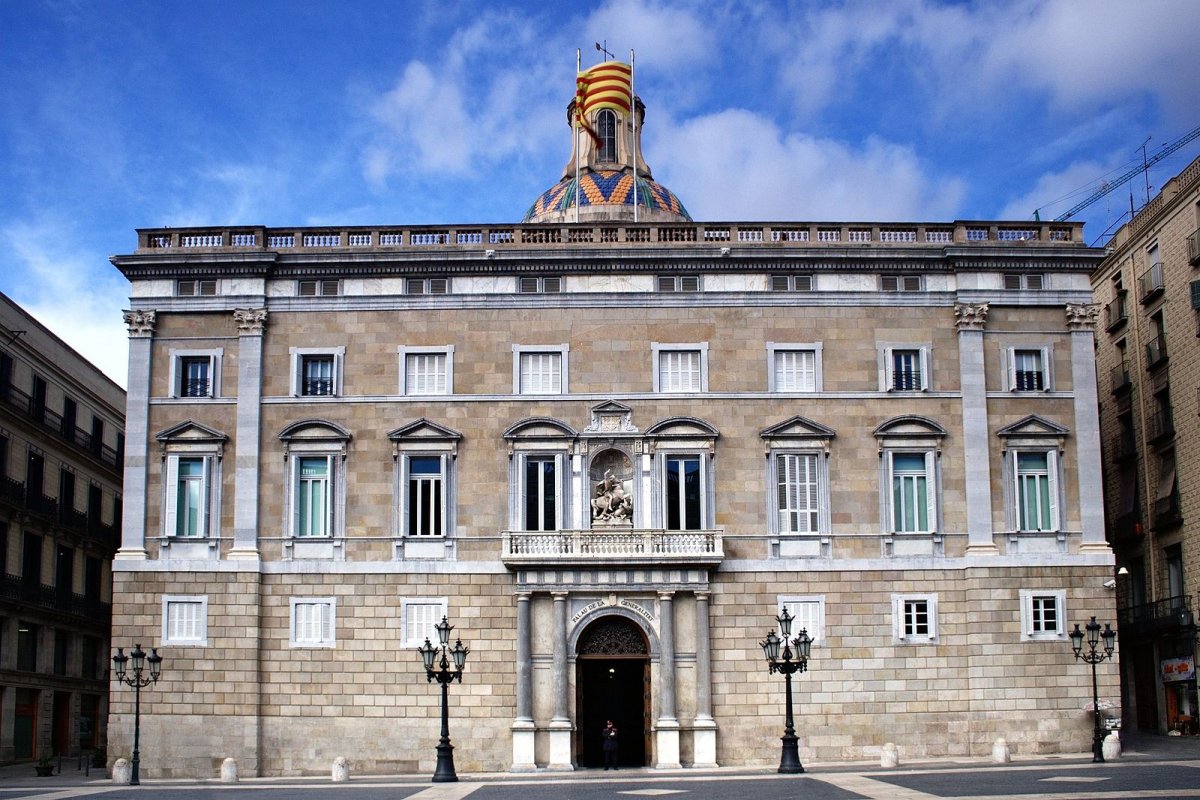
{"x": 612, "y": 681}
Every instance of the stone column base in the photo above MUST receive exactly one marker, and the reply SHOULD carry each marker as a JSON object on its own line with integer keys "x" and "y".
{"x": 704, "y": 744}
{"x": 1095, "y": 547}
{"x": 983, "y": 549}
{"x": 666, "y": 745}
{"x": 560, "y": 746}
{"x": 523, "y": 732}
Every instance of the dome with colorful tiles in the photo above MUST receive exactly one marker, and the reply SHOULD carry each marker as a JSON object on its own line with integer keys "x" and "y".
{"x": 606, "y": 195}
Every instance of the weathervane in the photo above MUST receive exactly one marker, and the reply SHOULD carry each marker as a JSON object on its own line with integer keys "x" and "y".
{"x": 603, "y": 48}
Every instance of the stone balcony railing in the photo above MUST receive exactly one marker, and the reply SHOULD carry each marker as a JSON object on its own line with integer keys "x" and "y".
{"x": 613, "y": 547}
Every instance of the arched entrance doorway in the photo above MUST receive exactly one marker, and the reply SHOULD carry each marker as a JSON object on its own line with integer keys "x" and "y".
{"x": 612, "y": 681}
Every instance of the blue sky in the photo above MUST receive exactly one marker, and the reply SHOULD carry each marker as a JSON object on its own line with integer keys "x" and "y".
{"x": 115, "y": 116}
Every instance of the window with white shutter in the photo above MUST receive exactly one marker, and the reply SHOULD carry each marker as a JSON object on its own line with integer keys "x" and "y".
{"x": 313, "y": 621}
{"x": 420, "y": 615}
{"x": 185, "y": 620}
{"x": 808, "y": 614}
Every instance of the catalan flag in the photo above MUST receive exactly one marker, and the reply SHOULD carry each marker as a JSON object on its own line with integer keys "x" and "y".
{"x": 606, "y": 85}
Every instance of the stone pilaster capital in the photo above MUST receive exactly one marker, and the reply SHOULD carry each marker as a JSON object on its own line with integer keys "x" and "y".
{"x": 140, "y": 323}
{"x": 970, "y": 316}
{"x": 250, "y": 321}
{"x": 560, "y": 596}
{"x": 705, "y": 596}
{"x": 1082, "y": 316}
{"x": 666, "y": 595}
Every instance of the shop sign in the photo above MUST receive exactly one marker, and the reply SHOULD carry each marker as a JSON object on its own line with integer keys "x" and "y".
{"x": 1178, "y": 669}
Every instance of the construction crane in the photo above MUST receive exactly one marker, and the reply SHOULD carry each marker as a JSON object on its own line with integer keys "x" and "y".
{"x": 1121, "y": 180}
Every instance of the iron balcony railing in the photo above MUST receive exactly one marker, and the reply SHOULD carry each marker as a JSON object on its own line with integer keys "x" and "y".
{"x": 651, "y": 547}
{"x": 1123, "y": 445}
{"x": 1156, "y": 350}
{"x": 1151, "y": 281}
{"x": 52, "y": 421}
{"x": 1171, "y": 613}
{"x": 1160, "y": 425}
{"x": 15, "y": 493}
{"x": 317, "y": 387}
{"x": 1193, "y": 247}
{"x": 1120, "y": 377}
{"x": 16, "y": 588}
{"x": 1115, "y": 312}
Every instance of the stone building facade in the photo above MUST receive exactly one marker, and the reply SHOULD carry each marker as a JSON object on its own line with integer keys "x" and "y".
{"x": 61, "y": 441}
{"x": 1149, "y": 368}
{"x": 610, "y": 451}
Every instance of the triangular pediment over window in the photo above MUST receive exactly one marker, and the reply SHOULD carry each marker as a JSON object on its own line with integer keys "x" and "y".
{"x": 798, "y": 428}
{"x": 424, "y": 435}
{"x": 1033, "y": 426}
{"x": 193, "y": 432}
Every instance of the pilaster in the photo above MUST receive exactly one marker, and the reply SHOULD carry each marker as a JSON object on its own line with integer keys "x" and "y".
{"x": 137, "y": 436}
{"x": 970, "y": 320}
{"x": 251, "y": 322}
{"x": 1081, "y": 323}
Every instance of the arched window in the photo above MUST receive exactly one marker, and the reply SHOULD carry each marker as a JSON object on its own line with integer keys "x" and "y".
{"x": 606, "y": 127}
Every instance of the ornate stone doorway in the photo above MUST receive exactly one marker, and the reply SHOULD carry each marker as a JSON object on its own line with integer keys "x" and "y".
{"x": 612, "y": 681}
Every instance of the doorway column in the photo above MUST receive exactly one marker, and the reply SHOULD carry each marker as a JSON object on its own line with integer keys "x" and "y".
{"x": 523, "y": 727}
{"x": 667, "y": 733}
{"x": 560, "y": 724}
{"x": 704, "y": 729}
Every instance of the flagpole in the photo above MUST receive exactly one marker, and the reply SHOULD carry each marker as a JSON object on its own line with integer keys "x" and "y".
{"x": 575, "y": 130}
{"x": 633, "y": 111}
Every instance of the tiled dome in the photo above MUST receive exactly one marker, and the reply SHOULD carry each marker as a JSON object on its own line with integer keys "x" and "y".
{"x": 612, "y": 189}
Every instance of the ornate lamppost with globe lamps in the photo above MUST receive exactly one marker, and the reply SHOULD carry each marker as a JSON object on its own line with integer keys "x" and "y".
{"x": 444, "y": 772}
{"x": 787, "y": 663}
{"x": 1093, "y": 656}
{"x": 137, "y": 678}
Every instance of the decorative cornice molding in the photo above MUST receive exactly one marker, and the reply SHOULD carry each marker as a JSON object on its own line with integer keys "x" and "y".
{"x": 970, "y": 316}
{"x": 250, "y": 321}
{"x": 140, "y": 323}
{"x": 1082, "y": 316}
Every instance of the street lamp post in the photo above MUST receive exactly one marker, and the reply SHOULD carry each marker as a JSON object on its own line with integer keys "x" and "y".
{"x": 444, "y": 772}
{"x": 1094, "y": 657}
{"x": 137, "y": 680}
{"x": 787, "y": 663}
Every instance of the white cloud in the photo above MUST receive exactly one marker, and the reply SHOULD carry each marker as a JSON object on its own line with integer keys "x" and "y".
{"x": 1056, "y": 192}
{"x": 77, "y": 297}
{"x": 739, "y": 165}
{"x": 673, "y": 36}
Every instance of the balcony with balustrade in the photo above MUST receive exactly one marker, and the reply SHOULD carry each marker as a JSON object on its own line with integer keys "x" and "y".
{"x": 613, "y": 548}
{"x": 1151, "y": 283}
{"x": 1169, "y": 616}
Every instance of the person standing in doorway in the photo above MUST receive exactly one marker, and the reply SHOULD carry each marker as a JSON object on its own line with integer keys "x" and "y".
{"x": 610, "y": 745}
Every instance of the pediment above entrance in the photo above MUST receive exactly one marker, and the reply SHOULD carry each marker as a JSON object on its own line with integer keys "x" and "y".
{"x": 609, "y": 418}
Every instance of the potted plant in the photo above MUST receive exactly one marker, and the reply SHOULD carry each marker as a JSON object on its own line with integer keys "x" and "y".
{"x": 45, "y": 765}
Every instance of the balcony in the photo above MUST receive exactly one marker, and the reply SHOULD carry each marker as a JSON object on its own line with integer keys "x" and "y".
{"x": 1115, "y": 313}
{"x": 1193, "y": 248}
{"x": 1123, "y": 446}
{"x": 48, "y": 509}
{"x": 1150, "y": 283}
{"x": 1156, "y": 350}
{"x": 1120, "y": 378}
{"x": 1160, "y": 425}
{"x": 52, "y": 421}
{"x": 15, "y": 588}
{"x": 1172, "y": 615}
{"x": 613, "y": 548}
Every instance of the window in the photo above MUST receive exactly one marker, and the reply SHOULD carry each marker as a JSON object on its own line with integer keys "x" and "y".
{"x": 317, "y": 371}
{"x": 313, "y": 509}
{"x": 196, "y": 288}
{"x": 185, "y": 620}
{"x": 195, "y": 373}
{"x": 798, "y": 492}
{"x": 540, "y": 491}
{"x": 419, "y": 618}
{"x": 535, "y": 285}
{"x": 313, "y": 621}
{"x": 683, "y": 493}
{"x": 427, "y": 285}
{"x": 791, "y": 283}
{"x": 62, "y": 648}
{"x": 914, "y": 618}
{"x": 539, "y": 472}
{"x": 190, "y": 495}
{"x": 315, "y": 493}
{"x": 680, "y": 367}
{"x": 539, "y": 370}
{"x": 27, "y": 646}
{"x": 1043, "y": 614}
{"x": 1036, "y": 490}
{"x": 322, "y": 288}
{"x": 794, "y": 367}
{"x": 424, "y": 454}
{"x": 911, "y": 500}
{"x": 606, "y": 130}
{"x": 1029, "y": 370}
{"x": 426, "y": 372}
{"x": 1031, "y": 281}
{"x": 808, "y": 613}
{"x": 904, "y": 368}
{"x": 798, "y": 464}
{"x": 191, "y": 481}
{"x": 425, "y": 496}
{"x": 900, "y": 283}
{"x": 678, "y": 283}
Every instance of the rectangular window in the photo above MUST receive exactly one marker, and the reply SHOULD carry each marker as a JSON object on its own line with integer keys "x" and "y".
{"x": 1043, "y": 614}
{"x": 906, "y": 372}
{"x": 62, "y": 647}
{"x": 321, "y": 288}
{"x": 313, "y": 510}
{"x": 427, "y": 285}
{"x": 191, "y": 497}
{"x": 1036, "y": 491}
{"x": 426, "y": 373}
{"x": 679, "y": 371}
{"x": 185, "y": 620}
{"x": 541, "y": 493}
{"x": 426, "y": 504}
{"x": 194, "y": 376}
{"x": 797, "y": 492}
{"x": 679, "y": 283}
{"x": 808, "y": 614}
{"x": 27, "y": 646}
{"x": 313, "y": 621}
{"x": 900, "y": 283}
{"x": 791, "y": 283}
{"x": 1029, "y": 371}
{"x": 535, "y": 285}
{"x": 683, "y": 499}
{"x": 540, "y": 373}
{"x": 317, "y": 375}
{"x": 196, "y": 288}
{"x": 914, "y": 618}
{"x": 912, "y": 510}
{"x": 1016, "y": 280}
{"x": 420, "y": 617}
{"x": 795, "y": 370}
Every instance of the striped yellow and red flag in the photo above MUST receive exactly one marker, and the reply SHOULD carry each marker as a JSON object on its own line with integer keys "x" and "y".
{"x": 606, "y": 85}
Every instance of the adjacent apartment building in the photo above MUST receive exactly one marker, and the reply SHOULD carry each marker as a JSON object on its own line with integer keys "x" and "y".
{"x": 61, "y": 445}
{"x": 610, "y": 444}
{"x": 1149, "y": 365}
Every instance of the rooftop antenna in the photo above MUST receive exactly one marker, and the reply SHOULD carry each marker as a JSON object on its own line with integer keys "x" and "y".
{"x": 603, "y": 48}
{"x": 1146, "y": 168}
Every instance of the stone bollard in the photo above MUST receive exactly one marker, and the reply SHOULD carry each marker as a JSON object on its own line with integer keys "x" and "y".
{"x": 122, "y": 772}
{"x": 229, "y": 771}
{"x": 890, "y": 756}
{"x": 1000, "y": 751}
{"x": 1111, "y": 747}
{"x": 341, "y": 769}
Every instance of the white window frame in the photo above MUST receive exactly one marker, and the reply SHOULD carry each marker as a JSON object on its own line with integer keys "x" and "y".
{"x": 214, "y": 371}
{"x": 887, "y": 367}
{"x": 327, "y": 635}
{"x": 931, "y": 488}
{"x": 1054, "y": 481}
{"x": 520, "y": 351}
{"x": 209, "y": 495}
{"x": 659, "y": 349}
{"x": 447, "y": 354}
{"x": 191, "y": 600}
{"x": 822, "y": 491}
{"x": 330, "y": 495}
{"x": 1010, "y": 371}
{"x": 297, "y": 357}
{"x": 900, "y": 622}
{"x": 808, "y": 612}
{"x": 1028, "y": 634}
{"x": 407, "y": 502}
{"x": 415, "y": 636}
{"x": 561, "y": 466}
{"x": 775, "y": 349}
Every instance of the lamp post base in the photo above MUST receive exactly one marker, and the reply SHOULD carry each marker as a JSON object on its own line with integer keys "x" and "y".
{"x": 789, "y": 760}
{"x": 1098, "y": 748}
{"x": 444, "y": 772}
